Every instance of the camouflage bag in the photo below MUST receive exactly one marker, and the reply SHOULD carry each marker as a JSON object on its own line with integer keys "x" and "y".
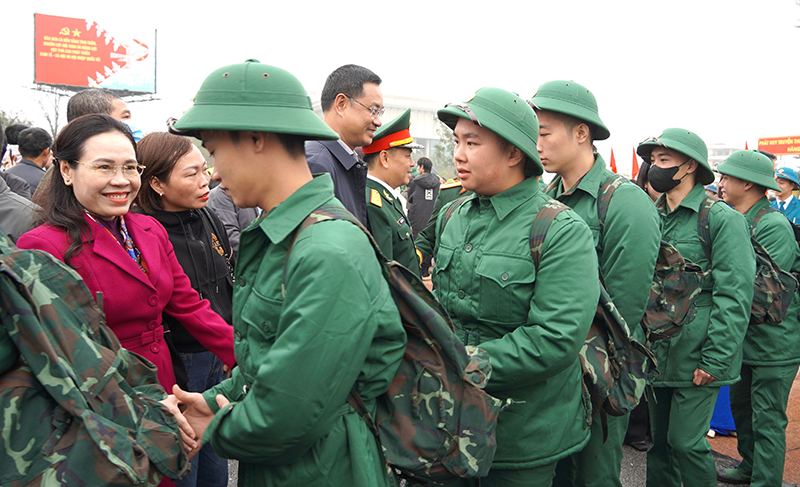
{"x": 774, "y": 287}
{"x": 435, "y": 423}
{"x": 78, "y": 408}
{"x": 615, "y": 365}
{"x": 676, "y": 284}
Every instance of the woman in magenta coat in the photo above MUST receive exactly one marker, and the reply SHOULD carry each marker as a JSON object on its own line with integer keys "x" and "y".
{"x": 126, "y": 259}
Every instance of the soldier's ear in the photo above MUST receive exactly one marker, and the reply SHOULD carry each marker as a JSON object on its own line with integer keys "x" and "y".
{"x": 383, "y": 157}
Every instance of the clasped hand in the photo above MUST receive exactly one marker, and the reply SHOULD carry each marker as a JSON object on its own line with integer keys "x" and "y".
{"x": 194, "y": 419}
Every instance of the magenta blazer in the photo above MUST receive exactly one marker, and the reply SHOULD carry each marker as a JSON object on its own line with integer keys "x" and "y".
{"x": 132, "y": 300}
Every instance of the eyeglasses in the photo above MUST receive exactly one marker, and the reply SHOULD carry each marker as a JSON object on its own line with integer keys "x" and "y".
{"x": 376, "y": 112}
{"x": 468, "y": 111}
{"x": 110, "y": 170}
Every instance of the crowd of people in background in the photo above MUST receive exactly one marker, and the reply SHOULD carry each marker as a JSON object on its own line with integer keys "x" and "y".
{"x": 261, "y": 325}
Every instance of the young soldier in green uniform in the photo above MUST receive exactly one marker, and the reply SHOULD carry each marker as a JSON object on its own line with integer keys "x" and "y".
{"x": 626, "y": 243}
{"x": 707, "y": 353}
{"x": 531, "y": 321}
{"x": 309, "y": 324}
{"x": 771, "y": 351}
{"x": 389, "y": 160}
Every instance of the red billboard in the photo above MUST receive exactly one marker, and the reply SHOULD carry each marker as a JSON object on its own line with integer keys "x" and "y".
{"x": 781, "y": 146}
{"x": 81, "y": 53}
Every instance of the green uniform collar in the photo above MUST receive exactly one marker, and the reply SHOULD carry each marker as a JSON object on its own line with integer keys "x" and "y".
{"x": 282, "y": 220}
{"x": 510, "y": 199}
{"x": 692, "y": 201}
{"x": 590, "y": 182}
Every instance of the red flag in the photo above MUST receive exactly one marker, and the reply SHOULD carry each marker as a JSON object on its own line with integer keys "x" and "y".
{"x": 613, "y": 162}
{"x": 634, "y": 165}
{"x": 745, "y": 145}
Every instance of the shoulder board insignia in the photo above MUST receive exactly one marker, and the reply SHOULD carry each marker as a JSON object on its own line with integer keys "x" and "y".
{"x": 450, "y": 184}
{"x": 375, "y": 198}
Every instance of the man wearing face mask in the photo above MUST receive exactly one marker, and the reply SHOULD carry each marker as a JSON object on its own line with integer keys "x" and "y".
{"x": 707, "y": 353}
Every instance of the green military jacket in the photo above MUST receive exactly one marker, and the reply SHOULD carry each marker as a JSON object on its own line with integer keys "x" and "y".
{"x": 775, "y": 344}
{"x": 448, "y": 192}
{"x": 713, "y": 340}
{"x": 389, "y": 225}
{"x": 301, "y": 349}
{"x": 531, "y": 323}
{"x": 627, "y": 245}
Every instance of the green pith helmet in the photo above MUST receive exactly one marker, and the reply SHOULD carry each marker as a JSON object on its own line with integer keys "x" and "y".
{"x": 685, "y": 142}
{"x": 573, "y": 99}
{"x": 750, "y": 165}
{"x": 257, "y": 97}
{"x": 505, "y": 114}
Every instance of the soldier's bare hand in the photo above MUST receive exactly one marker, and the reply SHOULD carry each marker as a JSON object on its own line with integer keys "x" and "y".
{"x": 187, "y": 433}
{"x": 701, "y": 377}
{"x": 197, "y": 413}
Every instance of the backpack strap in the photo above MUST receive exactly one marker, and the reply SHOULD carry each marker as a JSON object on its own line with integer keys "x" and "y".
{"x": 604, "y": 197}
{"x": 703, "y": 229}
{"x": 759, "y": 215}
{"x": 539, "y": 228}
{"x": 448, "y": 212}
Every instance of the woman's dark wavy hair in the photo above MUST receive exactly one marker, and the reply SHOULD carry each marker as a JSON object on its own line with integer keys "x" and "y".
{"x": 159, "y": 152}
{"x": 60, "y": 208}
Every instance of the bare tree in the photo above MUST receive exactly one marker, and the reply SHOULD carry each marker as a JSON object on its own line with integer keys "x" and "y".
{"x": 51, "y": 101}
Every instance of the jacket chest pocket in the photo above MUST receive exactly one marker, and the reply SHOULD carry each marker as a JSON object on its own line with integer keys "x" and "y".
{"x": 256, "y": 336}
{"x": 505, "y": 288}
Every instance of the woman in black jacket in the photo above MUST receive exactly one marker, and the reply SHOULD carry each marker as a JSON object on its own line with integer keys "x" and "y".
{"x": 175, "y": 192}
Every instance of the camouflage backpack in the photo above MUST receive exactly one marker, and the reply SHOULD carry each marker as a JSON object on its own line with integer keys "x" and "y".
{"x": 78, "y": 409}
{"x": 676, "y": 284}
{"x": 435, "y": 423}
{"x": 774, "y": 287}
{"x": 615, "y": 365}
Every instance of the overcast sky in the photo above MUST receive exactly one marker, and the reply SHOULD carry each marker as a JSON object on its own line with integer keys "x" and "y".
{"x": 726, "y": 69}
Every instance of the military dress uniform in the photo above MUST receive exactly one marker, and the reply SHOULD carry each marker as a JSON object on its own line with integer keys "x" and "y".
{"x": 390, "y": 225}
{"x": 627, "y": 247}
{"x": 680, "y": 412}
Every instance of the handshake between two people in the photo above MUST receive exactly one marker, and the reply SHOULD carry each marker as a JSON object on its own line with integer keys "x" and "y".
{"x": 195, "y": 417}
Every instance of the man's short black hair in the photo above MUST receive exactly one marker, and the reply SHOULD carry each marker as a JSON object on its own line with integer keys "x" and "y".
{"x": 425, "y": 164}
{"x": 571, "y": 122}
{"x": 33, "y": 141}
{"x": 772, "y": 157}
{"x": 13, "y": 131}
{"x": 93, "y": 100}
{"x": 349, "y": 80}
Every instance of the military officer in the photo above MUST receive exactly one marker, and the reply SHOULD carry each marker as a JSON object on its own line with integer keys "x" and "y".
{"x": 449, "y": 191}
{"x": 310, "y": 324}
{"x": 707, "y": 353}
{"x": 626, "y": 243}
{"x": 389, "y": 166}
{"x": 531, "y": 321}
{"x": 771, "y": 351}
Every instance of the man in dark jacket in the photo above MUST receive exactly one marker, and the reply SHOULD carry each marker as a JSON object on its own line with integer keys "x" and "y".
{"x": 422, "y": 193}
{"x": 34, "y": 146}
{"x": 352, "y": 104}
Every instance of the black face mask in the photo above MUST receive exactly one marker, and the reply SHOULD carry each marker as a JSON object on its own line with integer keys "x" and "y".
{"x": 661, "y": 179}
